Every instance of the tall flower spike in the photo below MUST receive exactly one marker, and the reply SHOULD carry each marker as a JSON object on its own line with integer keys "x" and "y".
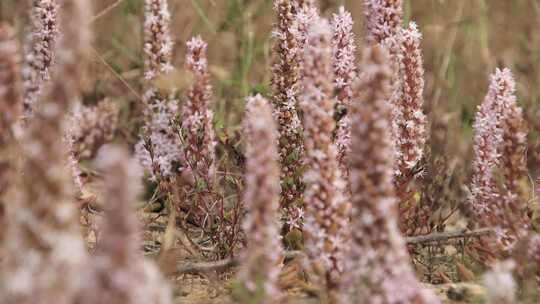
{"x": 285, "y": 81}
{"x": 158, "y": 45}
{"x": 260, "y": 275}
{"x": 343, "y": 61}
{"x": 488, "y": 138}
{"x": 159, "y": 149}
{"x": 379, "y": 270}
{"x": 326, "y": 210}
{"x": 10, "y": 109}
{"x": 197, "y": 117}
{"x": 45, "y": 252}
{"x": 199, "y": 140}
{"x": 509, "y": 215}
{"x": 410, "y": 118}
{"x": 39, "y": 51}
{"x": 120, "y": 274}
{"x": 383, "y": 19}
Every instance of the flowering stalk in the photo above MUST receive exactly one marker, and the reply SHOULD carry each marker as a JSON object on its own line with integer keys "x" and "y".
{"x": 380, "y": 270}
{"x": 409, "y": 118}
{"x": 383, "y": 19}
{"x": 285, "y": 82}
{"x": 197, "y": 130}
{"x": 343, "y": 61}
{"x": 326, "y": 210}
{"x": 159, "y": 149}
{"x": 10, "y": 109}
{"x": 488, "y": 205}
{"x": 260, "y": 275}
{"x": 119, "y": 272}
{"x": 514, "y": 222}
{"x": 39, "y": 51}
{"x": 197, "y": 117}
{"x": 44, "y": 249}
{"x": 487, "y": 138}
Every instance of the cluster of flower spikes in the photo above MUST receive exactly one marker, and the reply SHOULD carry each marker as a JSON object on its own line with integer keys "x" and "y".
{"x": 39, "y": 51}
{"x": 285, "y": 85}
{"x": 260, "y": 273}
{"x": 118, "y": 273}
{"x": 499, "y": 143}
{"x": 159, "y": 149}
{"x": 10, "y": 109}
{"x": 45, "y": 253}
{"x": 344, "y": 64}
{"x": 384, "y": 20}
{"x": 325, "y": 204}
{"x": 378, "y": 262}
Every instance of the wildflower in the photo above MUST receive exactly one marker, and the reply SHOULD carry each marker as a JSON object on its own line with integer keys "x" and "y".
{"x": 159, "y": 149}
{"x": 410, "y": 120}
{"x": 158, "y": 45}
{"x": 498, "y": 142}
{"x": 326, "y": 215}
{"x": 514, "y": 221}
{"x": 10, "y": 108}
{"x": 261, "y": 197}
{"x": 285, "y": 82}
{"x": 378, "y": 261}
{"x": 383, "y": 19}
{"x": 500, "y": 284}
{"x": 45, "y": 252}
{"x": 197, "y": 117}
{"x": 40, "y": 54}
{"x": 343, "y": 61}
{"x": 119, "y": 273}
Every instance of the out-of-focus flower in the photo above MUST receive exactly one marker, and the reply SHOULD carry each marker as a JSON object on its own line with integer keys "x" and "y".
{"x": 378, "y": 262}
{"x": 10, "y": 110}
{"x": 500, "y": 284}
{"x": 326, "y": 208}
{"x": 261, "y": 197}
{"x": 118, "y": 272}
{"x": 45, "y": 252}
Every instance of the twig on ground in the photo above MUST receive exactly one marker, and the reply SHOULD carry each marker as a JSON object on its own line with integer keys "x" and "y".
{"x": 197, "y": 267}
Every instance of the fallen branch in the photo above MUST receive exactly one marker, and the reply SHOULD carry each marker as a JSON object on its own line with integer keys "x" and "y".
{"x": 444, "y": 236}
{"x": 197, "y": 267}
